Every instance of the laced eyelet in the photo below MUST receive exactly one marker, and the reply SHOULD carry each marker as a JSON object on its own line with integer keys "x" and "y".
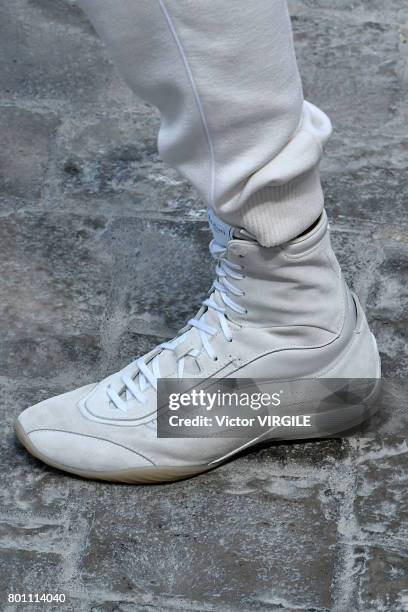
{"x": 230, "y": 340}
{"x": 215, "y": 359}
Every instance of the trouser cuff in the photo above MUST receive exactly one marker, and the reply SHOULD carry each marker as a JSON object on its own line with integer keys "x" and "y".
{"x": 277, "y": 214}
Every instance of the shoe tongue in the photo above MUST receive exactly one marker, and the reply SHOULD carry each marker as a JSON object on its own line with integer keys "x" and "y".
{"x": 221, "y": 231}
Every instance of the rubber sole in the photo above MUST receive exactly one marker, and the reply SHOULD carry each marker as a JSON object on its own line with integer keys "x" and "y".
{"x": 335, "y": 423}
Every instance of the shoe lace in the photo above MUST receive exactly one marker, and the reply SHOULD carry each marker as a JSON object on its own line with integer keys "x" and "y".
{"x": 148, "y": 373}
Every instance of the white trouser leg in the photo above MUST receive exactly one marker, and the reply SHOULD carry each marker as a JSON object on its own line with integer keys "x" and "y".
{"x": 234, "y": 122}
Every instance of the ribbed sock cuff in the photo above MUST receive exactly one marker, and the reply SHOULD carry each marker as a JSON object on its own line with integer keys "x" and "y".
{"x": 274, "y": 215}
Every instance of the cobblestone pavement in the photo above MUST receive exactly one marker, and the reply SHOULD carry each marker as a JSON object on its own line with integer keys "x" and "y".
{"x": 103, "y": 254}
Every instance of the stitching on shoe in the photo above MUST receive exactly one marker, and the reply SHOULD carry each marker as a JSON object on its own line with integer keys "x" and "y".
{"x": 91, "y": 438}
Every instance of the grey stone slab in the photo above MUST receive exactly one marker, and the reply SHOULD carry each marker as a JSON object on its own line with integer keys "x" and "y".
{"x": 311, "y": 456}
{"x": 25, "y": 571}
{"x": 390, "y": 422}
{"x": 51, "y": 53}
{"x": 161, "y": 269}
{"x": 116, "y": 161}
{"x": 204, "y": 541}
{"x": 350, "y": 70}
{"x": 131, "y": 344}
{"x": 383, "y": 585}
{"x": 376, "y": 156}
{"x": 370, "y": 194}
{"x": 392, "y": 340}
{"x": 354, "y": 8}
{"x": 389, "y": 294}
{"x": 382, "y": 492}
{"x": 32, "y": 495}
{"x": 375, "y": 580}
{"x": 104, "y": 154}
{"x": 353, "y": 67}
{"x": 42, "y": 523}
{"x": 31, "y": 357}
{"x": 74, "y": 285}
{"x": 381, "y": 523}
{"x": 26, "y": 141}
{"x": 42, "y": 537}
{"x": 53, "y": 283}
{"x": 63, "y": 12}
{"x": 372, "y": 258}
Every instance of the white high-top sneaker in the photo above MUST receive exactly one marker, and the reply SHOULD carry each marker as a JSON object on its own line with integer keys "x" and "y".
{"x": 283, "y": 312}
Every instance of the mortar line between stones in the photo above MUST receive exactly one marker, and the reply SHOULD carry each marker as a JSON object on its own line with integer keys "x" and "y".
{"x": 345, "y": 580}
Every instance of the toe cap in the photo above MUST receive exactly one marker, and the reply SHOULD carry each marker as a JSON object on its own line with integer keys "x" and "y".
{"x": 55, "y": 413}
{"x": 56, "y": 432}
